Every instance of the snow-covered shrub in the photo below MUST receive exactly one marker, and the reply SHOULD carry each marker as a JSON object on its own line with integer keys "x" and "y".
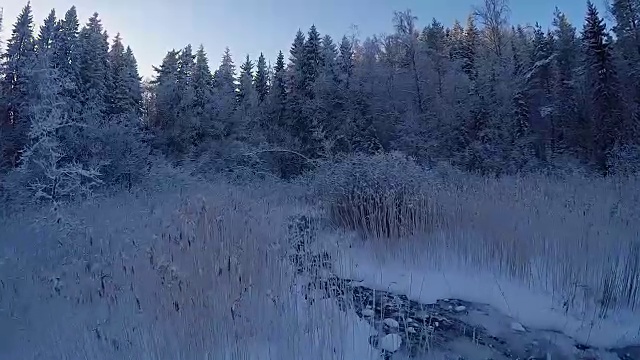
{"x": 625, "y": 160}
{"x": 383, "y": 195}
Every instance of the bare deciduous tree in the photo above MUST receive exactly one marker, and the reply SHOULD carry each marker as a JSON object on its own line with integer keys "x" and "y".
{"x": 494, "y": 16}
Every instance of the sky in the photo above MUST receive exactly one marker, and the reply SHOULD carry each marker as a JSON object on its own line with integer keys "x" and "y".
{"x": 248, "y": 27}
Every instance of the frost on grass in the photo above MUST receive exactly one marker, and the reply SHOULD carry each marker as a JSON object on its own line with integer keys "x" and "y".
{"x": 553, "y": 253}
{"x": 176, "y": 276}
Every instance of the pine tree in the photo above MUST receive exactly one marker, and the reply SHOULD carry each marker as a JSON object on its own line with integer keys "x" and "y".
{"x": 245, "y": 79}
{"x": 225, "y": 92}
{"x": 435, "y": 40}
{"x": 296, "y": 86}
{"x": 132, "y": 83}
{"x": 538, "y": 93}
{"x": 247, "y": 123}
{"x": 18, "y": 62}
{"x": 312, "y": 59}
{"x": 67, "y": 62}
{"x": 277, "y": 102}
{"x": 564, "y": 90}
{"x": 296, "y": 61}
{"x": 122, "y": 135}
{"x": 345, "y": 62}
{"x": 604, "y": 96}
{"x": 471, "y": 36}
{"x": 94, "y": 71}
{"x": 203, "y": 98}
{"x": 166, "y": 92}
{"x": 44, "y": 44}
{"x": 627, "y": 30}
{"x": 119, "y": 102}
{"x": 456, "y": 41}
{"x": 261, "y": 78}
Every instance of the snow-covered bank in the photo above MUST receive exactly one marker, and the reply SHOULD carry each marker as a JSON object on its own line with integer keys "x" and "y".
{"x": 531, "y": 308}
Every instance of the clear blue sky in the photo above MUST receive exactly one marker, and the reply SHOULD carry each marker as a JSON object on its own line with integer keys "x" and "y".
{"x": 152, "y": 27}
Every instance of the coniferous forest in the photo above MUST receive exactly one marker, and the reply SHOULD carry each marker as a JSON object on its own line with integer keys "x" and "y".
{"x": 230, "y": 206}
{"x": 482, "y": 95}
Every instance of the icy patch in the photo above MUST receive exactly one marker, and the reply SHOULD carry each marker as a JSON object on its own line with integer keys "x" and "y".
{"x": 531, "y": 309}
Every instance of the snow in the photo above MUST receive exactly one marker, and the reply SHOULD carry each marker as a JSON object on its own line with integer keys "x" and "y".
{"x": 391, "y": 323}
{"x": 517, "y": 327}
{"x": 529, "y": 308}
{"x": 368, "y": 312}
{"x": 460, "y": 308}
{"x": 391, "y": 342}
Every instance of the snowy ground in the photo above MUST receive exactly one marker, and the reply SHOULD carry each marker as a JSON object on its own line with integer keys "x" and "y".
{"x": 531, "y": 308}
{"x": 34, "y": 313}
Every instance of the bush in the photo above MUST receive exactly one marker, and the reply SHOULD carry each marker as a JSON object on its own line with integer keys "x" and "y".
{"x": 381, "y": 196}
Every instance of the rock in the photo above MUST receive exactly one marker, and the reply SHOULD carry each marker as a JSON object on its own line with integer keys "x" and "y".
{"x": 391, "y": 323}
{"x": 460, "y": 308}
{"x": 368, "y": 312}
{"x": 390, "y": 343}
{"x": 517, "y": 327}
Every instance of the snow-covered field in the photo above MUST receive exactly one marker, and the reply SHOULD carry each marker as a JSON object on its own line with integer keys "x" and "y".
{"x": 200, "y": 271}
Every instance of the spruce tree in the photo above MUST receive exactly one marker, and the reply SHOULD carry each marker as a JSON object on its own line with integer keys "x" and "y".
{"x": 564, "y": 89}
{"x": 261, "y": 78}
{"x": 225, "y": 92}
{"x": 471, "y": 35}
{"x": 312, "y": 56}
{"x": 44, "y": 45}
{"x": 246, "y": 125}
{"x": 166, "y": 92}
{"x": 626, "y": 14}
{"x": 17, "y": 66}
{"x": 119, "y": 103}
{"x": 245, "y": 79}
{"x": 94, "y": 71}
{"x": 345, "y": 62}
{"x": 203, "y": 98}
{"x": 603, "y": 91}
{"x": 277, "y": 102}
{"x": 67, "y": 61}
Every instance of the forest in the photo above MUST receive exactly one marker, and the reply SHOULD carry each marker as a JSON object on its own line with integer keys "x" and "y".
{"x": 483, "y": 96}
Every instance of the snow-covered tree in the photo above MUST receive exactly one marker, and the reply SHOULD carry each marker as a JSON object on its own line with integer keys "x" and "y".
{"x": 225, "y": 94}
{"x": 261, "y": 79}
{"x": 603, "y": 96}
{"x": 93, "y": 48}
{"x": 17, "y": 66}
{"x": 124, "y": 92}
{"x": 47, "y": 168}
{"x": 67, "y": 61}
{"x": 564, "y": 90}
{"x": 246, "y": 72}
{"x": 209, "y": 127}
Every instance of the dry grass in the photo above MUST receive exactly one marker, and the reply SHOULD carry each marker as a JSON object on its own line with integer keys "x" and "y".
{"x": 387, "y": 214}
{"x": 161, "y": 276}
{"x": 576, "y": 238}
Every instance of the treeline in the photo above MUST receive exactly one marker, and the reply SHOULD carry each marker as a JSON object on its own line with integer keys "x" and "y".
{"x": 485, "y": 96}
{"x": 482, "y": 95}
